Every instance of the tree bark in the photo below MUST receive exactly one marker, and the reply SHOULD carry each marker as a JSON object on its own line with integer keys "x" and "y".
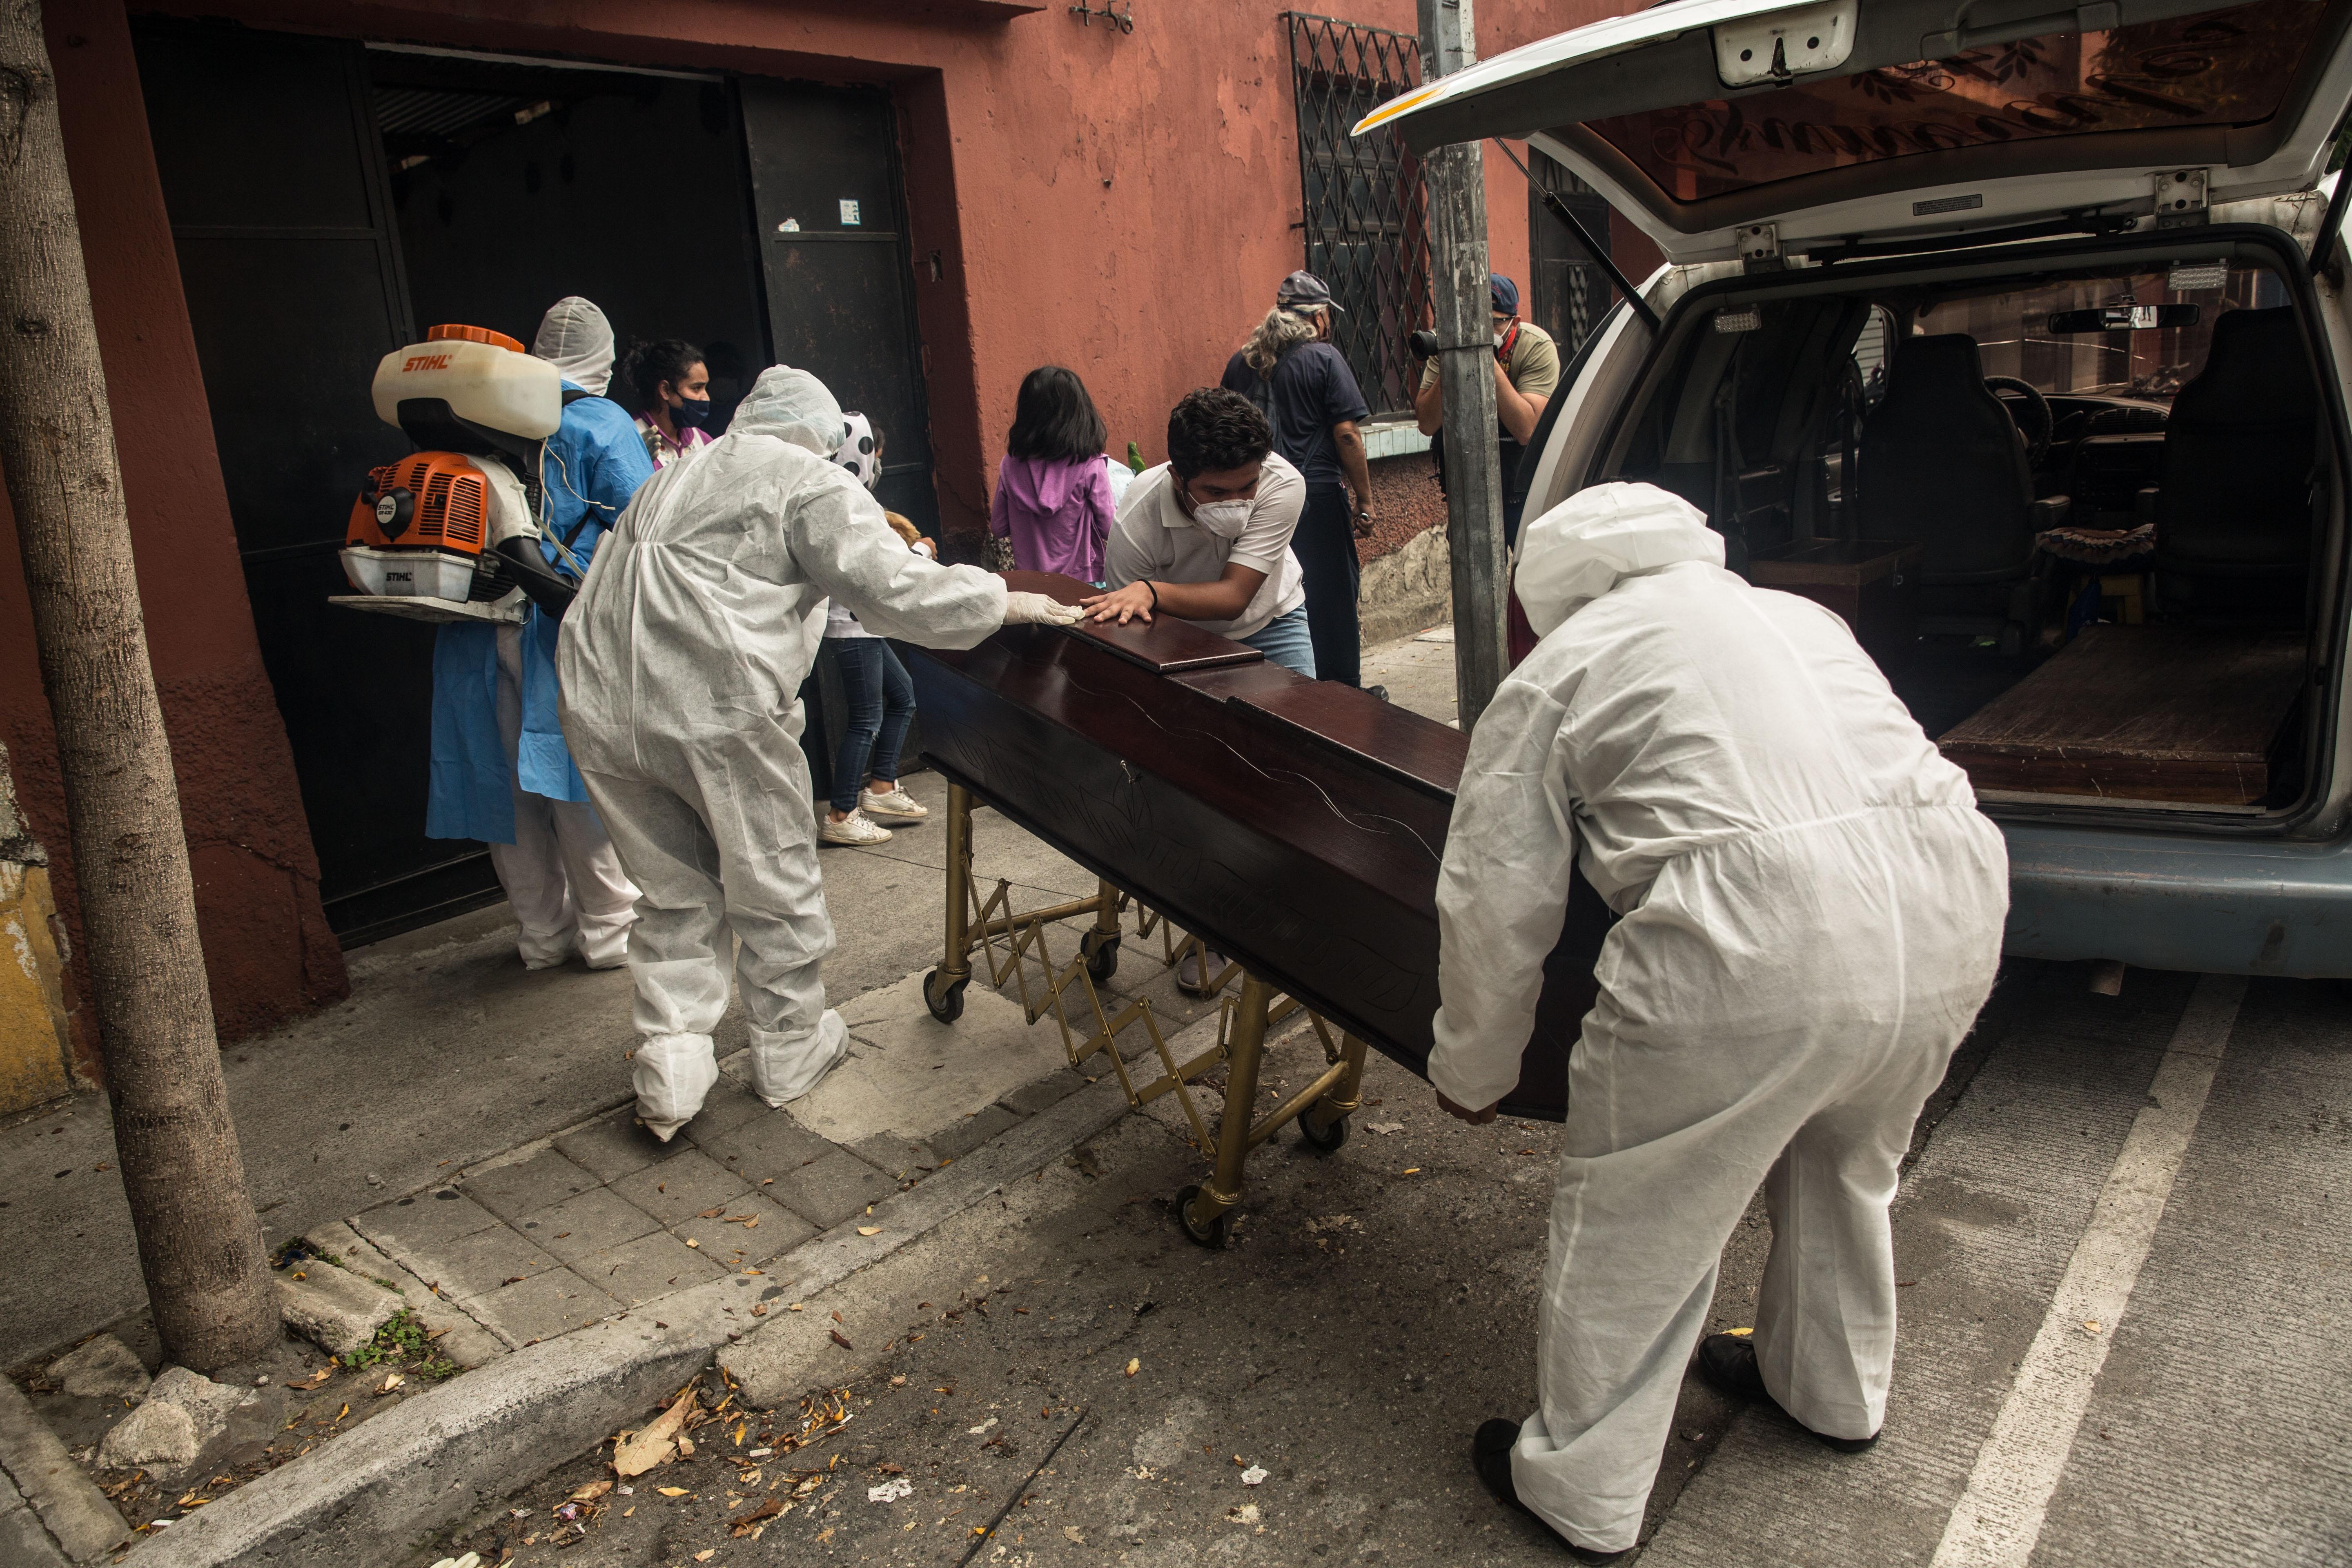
{"x": 199, "y": 1241}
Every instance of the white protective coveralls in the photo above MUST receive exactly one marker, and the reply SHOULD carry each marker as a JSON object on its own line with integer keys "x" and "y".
{"x": 1812, "y": 912}
{"x": 575, "y": 338}
{"x": 681, "y": 665}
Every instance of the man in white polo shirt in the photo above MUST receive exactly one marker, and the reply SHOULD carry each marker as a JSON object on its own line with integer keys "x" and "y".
{"x": 1205, "y": 536}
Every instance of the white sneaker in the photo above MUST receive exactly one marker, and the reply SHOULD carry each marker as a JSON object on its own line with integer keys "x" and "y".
{"x": 898, "y": 802}
{"x": 852, "y": 829}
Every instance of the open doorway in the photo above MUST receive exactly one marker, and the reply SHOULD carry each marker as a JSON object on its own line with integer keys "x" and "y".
{"x": 516, "y": 183}
{"x": 349, "y": 195}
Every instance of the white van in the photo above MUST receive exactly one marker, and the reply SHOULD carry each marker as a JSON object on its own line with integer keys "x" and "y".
{"x": 2018, "y": 335}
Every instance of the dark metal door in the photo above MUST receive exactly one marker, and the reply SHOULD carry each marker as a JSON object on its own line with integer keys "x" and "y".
{"x": 833, "y": 243}
{"x": 273, "y": 174}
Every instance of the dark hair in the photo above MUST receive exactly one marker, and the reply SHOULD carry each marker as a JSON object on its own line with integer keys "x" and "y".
{"x": 1054, "y": 420}
{"x": 1213, "y": 430}
{"x": 646, "y": 365}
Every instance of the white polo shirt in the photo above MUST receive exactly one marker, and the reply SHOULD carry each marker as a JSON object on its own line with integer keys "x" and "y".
{"x": 1154, "y": 538}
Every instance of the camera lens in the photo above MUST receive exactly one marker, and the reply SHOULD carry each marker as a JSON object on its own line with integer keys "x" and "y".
{"x": 1424, "y": 343}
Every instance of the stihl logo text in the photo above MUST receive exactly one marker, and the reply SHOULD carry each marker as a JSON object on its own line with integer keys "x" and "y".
{"x": 426, "y": 362}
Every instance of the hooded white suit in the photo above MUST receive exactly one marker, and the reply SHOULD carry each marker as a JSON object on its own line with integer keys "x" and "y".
{"x": 1812, "y": 912}
{"x": 681, "y": 665}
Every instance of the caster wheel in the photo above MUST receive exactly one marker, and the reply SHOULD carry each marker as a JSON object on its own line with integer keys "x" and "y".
{"x": 1103, "y": 962}
{"x": 1328, "y": 1141}
{"x": 946, "y": 1008}
{"x": 1214, "y": 1237}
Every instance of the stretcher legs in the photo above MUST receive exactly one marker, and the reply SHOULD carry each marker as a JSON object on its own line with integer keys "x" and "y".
{"x": 1246, "y": 1023}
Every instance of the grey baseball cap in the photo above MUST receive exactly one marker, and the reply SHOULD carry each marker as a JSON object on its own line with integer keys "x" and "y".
{"x": 1305, "y": 292}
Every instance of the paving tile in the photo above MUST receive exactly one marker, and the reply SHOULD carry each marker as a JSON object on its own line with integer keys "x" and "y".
{"x": 831, "y": 1189}
{"x": 735, "y": 1244}
{"x": 680, "y": 1188}
{"x": 729, "y": 1105}
{"x": 478, "y": 1264}
{"x": 611, "y": 1146}
{"x": 650, "y": 1266}
{"x": 588, "y": 1222}
{"x": 1050, "y": 1090}
{"x": 544, "y": 1306}
{"x": 774, "y": 1145}
{"x": 512, "y": 1191}
{"x": 900, "y": 1159}
{"x": 954, "y": 1142}
{"x": 427, "y": 1220}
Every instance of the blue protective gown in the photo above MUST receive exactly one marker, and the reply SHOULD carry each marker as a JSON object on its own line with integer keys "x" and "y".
{"x": 596, "y": 461}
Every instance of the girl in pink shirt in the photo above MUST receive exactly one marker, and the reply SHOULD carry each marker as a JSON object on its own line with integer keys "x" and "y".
{"x": 1054, "y": 490}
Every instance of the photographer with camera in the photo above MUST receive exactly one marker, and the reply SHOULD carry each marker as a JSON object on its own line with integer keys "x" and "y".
{"x": 1527, "y": 374}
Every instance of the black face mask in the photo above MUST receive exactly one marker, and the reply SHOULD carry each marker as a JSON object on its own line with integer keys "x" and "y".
{"x": 692, "y": 414}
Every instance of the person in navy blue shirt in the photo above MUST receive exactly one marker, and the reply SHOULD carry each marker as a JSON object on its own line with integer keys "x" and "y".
{"x": 1304, "y": 387}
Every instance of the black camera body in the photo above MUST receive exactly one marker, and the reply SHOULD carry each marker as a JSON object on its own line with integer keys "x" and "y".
{"x": 1424, "y": 343}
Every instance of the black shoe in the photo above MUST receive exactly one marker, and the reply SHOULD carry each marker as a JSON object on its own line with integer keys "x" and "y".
{"x": 1729, "y": 1363}
{"x": 1490, "y": 1456}
{"x": 1379, "y": 691}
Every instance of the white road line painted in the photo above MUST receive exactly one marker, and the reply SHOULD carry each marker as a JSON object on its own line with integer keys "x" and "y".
{"x": 1999, "y": 1518}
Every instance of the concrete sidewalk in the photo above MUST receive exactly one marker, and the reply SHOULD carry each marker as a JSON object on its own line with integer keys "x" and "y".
{"x": 461, "y": 1130}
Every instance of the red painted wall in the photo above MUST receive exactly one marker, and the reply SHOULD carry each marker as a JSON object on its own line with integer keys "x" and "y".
{"x": 268, "y": 953}
{"x": 1123, "y": 204}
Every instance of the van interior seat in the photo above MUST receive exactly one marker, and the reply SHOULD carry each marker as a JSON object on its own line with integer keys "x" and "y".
{"x": 2233, "y": 502}
{"x": 1942, "y": 464}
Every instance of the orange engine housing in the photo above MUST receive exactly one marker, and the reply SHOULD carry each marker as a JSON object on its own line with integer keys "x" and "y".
{"x": 448, "y": 505}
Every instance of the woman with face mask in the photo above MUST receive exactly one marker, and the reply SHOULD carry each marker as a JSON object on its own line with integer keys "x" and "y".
{"x": 671, "y": 388}
{"x": 1206, "y": 535}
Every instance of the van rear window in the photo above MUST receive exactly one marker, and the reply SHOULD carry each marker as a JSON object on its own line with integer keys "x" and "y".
{"x": 2230, "y": 67}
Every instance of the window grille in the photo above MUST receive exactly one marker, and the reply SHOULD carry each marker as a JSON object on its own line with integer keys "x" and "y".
{"x": 1366, "y": 228}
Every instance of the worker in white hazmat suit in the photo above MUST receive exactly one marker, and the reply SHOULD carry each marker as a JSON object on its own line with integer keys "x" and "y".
{"x": 1812, "y": 912}
{"x": 681, "y": 664}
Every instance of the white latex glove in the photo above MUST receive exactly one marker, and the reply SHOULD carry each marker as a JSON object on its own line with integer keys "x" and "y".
{"x": 1037, "y": 610}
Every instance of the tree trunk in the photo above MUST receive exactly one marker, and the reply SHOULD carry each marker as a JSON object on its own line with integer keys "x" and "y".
{"x": 199, "y": 1241}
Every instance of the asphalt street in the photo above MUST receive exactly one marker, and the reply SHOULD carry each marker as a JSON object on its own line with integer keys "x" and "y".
{"x": 2124, "y": 1269}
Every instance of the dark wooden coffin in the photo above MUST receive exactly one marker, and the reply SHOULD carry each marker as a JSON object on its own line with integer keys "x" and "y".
{"x": 1872, "y": 584}
{"x": 1296, "y": 825}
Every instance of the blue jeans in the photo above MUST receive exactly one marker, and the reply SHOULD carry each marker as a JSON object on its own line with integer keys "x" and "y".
{"x": 1286, "y": 640}
{"x": 881, "y": 703}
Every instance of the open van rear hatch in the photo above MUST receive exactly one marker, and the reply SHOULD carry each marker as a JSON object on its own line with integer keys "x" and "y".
{"x": 1748, "y": 128}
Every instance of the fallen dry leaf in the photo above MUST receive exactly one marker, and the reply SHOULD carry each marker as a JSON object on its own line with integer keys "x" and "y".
{"x": 1409, "y": 1170}
{"x": 750, "y": 1523}
{"x": 869, "y": 1230}
{"x": 706, "y": 1554}
{"x": 650, "y": 1447}
{"x": 836, "y": 1335}
{"x": 1134, "y": 1366}
{"x": 710, "y": 1214}
{"x": 671, "y": 1491}
{"x": 760, "y": 1309}
{"x": 392, "y": 1380}
{"x": 837, "y": 1317}
{"x": 592, "y": 1492}
{"x": 692, "y": 1242}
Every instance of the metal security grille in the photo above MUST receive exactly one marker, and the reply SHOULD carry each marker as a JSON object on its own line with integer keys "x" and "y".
{"x": 1367, "y": 232}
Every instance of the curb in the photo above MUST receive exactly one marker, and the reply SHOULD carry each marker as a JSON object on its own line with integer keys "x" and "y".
{"x": 76, "y": 1515}
{"x": 450, "y": 1454}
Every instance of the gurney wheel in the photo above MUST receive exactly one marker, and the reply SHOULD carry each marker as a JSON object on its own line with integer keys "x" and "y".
{"x": 948, "y": 1007}
{"x": 1326, "y": 1141}
{"x": 1103, "y": 962}
{"x": 1214, "y": 1237}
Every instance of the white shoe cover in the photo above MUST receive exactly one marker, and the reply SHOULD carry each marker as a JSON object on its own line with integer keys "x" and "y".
{"x": 672, "y": 1075}
{"x": 785, "y": 1066}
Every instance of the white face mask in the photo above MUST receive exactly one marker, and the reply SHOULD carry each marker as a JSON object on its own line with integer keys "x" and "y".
{"x": 1225, "y": 519}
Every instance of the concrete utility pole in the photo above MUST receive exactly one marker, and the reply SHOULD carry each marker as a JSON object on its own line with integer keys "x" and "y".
{"x": 199, "y": 1242}
{"x": 1455, "y": 176}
